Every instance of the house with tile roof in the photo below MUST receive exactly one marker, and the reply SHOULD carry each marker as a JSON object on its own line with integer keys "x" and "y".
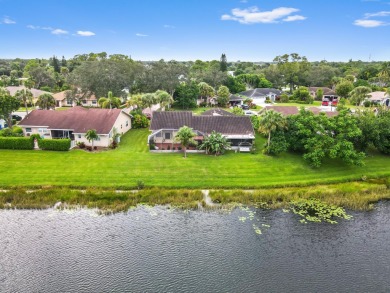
{"x": 86, "y": 101}
{"x": 75, "y": 122}
{"x": 164, "y": 125}
{"x": 293, "y": 110}
{"x": 380, "y": 98}
{"x": 259, "y": 95}
{"x": 35, "y": 92}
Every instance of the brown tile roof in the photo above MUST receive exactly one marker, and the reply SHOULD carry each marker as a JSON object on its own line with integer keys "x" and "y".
{"x": 217, "y": 112}
{"x": 227, "y": 125}
{"x": 327, "y": 91}
{"x": 78, "y": 119}
{"x": 284, "y": 110}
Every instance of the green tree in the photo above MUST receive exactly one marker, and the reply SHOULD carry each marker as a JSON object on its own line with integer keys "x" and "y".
{"x": 8, "y": 104}
{"x": 46, "y": 101}
{"x": 359, "y": 94}
{"x": 223, "y": 96}
{"x": 163, "y": 98}
{"x": 382, "y": 143}
{"x": 109, "y": 102}
{"x": 302, "y": 94}
{"x": 215, "y": 143}
{"x": 319, "y": 94}
{"x": 91, "y": 135}
{"x": 25, "y": 96}
{"x": 238, "y": 111}
{"x": 185, "y": 136}
{"x": 186, "y": 95}
{"x": 148, "y": 100}
{"x": 234, "y": 85}
{"x": 223, "y": 63}
{"x": 269, "y": 122}
{"x": 343, "y": 88}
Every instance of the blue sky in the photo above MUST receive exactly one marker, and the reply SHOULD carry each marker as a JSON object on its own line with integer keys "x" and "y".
{"x": 246, "y": 30}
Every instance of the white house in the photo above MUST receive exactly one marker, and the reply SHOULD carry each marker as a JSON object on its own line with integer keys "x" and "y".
{"x": 75, "y": 122}
{"x": 259, "y": 95}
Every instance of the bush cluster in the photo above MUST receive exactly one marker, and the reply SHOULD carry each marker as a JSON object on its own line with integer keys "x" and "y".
{"x": 54, "y": 144}
{"x": 16, "y": 143}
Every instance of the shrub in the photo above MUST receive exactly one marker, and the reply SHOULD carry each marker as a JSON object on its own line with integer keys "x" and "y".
{"x": 95, "y": 147}
{"x": 16, "y": 143}
{"x": 113, "y": 145}
{"x": 89, "y": 148}
{"x": 12, "y": 132}
{"x": 367, "y": 104}
{"x": 81, "y": 145}
{"x": 284, "y": 98}
{"x": 203, "y": 104}
{"x": 140, "y": 121}
{"x": 140, "y": 184}
{"x": 35, "y": 136}
{"x": 54, "y": 144}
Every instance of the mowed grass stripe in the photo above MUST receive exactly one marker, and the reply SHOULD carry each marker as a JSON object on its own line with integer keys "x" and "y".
{"x": 132, "y": 161}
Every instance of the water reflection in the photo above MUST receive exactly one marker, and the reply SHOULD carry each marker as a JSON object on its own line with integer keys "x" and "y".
{"x": 162, "y": 250}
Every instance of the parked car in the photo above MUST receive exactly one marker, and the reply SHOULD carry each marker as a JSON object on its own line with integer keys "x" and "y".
{"x": 334, "y": 102}
{"x": 244, "y": 107}
{"x": 16, "y": 117}
{"x": 249, "y": 113}
{"x": 325, "y": 102}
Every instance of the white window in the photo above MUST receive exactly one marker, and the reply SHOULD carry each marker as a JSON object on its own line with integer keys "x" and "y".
{"x": 127, "y": 123}
{"x": 167, "y": 135}
{"x": 69, "y": 101}
{"x": 93, "y": 102}
{"x": 79, "y": 136}
{"x": 28, "y": 129}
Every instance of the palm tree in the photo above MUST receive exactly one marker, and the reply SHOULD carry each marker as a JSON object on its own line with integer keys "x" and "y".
{"x": 185, "y": 136}
{"x": 163, "y": 98}
{"x": 359, "y": 94}
{"x": 25, "y": 96}
{"x": 215, "y": 143}
{"x": 91, "y": 135}
{"x": 269, "y": 122}
{"x": 46, "y": 101}
{"x": 148, "y": 100}
{"x": 109, "y": 102}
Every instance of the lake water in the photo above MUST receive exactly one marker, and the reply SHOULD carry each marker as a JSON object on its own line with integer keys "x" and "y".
{"x": 162, "y": 250}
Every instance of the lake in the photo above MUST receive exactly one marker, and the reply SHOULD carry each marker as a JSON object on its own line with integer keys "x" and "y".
{"x": 166, "y": 250}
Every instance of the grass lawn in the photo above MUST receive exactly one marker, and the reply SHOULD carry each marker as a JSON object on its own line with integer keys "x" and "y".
{"x": 132, "y": 161}
{"x": 315, "y": 104}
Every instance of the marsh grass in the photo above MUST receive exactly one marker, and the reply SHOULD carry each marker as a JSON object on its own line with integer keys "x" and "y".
{"x": 351, "y": 195}
{"x": 102, "y": 199}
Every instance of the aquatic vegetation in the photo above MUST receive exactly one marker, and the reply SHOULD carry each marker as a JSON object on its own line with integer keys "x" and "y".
{"x": 313, "y": 210}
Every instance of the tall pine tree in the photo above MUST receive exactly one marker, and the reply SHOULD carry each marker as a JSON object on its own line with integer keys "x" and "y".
{"x": 223, "y": 63}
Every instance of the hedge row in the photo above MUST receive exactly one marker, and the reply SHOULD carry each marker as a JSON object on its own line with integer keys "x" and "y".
{"x": 54, "y": 144}
{"x": 16, "y": 143}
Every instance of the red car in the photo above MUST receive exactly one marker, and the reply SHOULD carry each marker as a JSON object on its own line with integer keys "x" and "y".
{"x": 325, "y": 102}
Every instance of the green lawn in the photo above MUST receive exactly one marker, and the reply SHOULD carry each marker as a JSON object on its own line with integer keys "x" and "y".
{"x": 132, "y": 161}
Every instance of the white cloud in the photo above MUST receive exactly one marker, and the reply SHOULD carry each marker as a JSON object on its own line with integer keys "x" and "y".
{"x": 141, "y": 35}
{"x": 59, "y": 32}
{"x": 377, "y": 14}
{"x": 369, "y": 23}
{"x": 254, "y": 15}
{"x": 7, "y": 20}
{"x": 294, "y": 18}
{"x": 168, "y": 26}
{"x": 85, "y": 33}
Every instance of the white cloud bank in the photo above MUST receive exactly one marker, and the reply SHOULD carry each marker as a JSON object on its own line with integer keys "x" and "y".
{"x": 367, "y": 22}
{"x": 254, "y": 15}
{"x": 141, "y": 35}
{"x": 59, "y": 31}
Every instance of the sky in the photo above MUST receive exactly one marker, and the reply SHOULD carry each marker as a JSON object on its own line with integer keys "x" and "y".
{"x": 245, "y": 30}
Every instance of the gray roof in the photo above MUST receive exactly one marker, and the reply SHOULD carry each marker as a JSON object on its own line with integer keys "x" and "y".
{"x": 217, "y": 112}
{"x": 78, "y": 119}
{"x": 36, "y": 93}
{"x": 260, "y": 92}
{"x": 227, "y": 125}
{"x": 234, "y": 98}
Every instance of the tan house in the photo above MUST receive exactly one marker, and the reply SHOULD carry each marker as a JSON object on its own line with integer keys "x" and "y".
{"x": 75, "y": 122}
{"x": 63, "y": 101}
{"x": 327, "y": 93}
{"x": 380, "y": 98}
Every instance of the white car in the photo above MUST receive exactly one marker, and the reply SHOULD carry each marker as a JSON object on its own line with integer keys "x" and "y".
{"x": 249, "y": 113}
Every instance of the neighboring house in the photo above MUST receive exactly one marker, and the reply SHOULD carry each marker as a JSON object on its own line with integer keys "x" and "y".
{"x": 2, "y": 123}
{"x": 75, "y": 122}
{"x": 235, "y": 100}
{"x": 327, "y": 93}
{"x": 35, "y": 92}
{"x": 293, "y": 110}
{"x": 259, "y": 95}
{"x": 217, "y": 112}
{"x": 164, "y": 126}
{"x": 380, "y": 98}
{"x": 63, "y": 101}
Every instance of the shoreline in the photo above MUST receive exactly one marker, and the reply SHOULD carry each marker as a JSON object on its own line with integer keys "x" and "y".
{"x": 354, "y": 195}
